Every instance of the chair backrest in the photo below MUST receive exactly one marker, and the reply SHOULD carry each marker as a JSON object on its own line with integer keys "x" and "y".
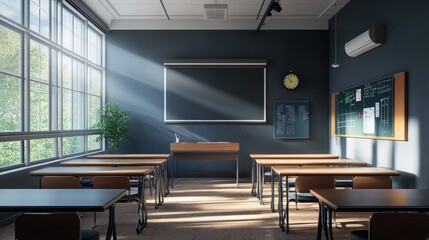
{"x": 372, "y": 182}
{"x": 47, "y": 226}
{"x": 120, "y": 182}
{"x": 399, "y": 226}
{"x": 60, "y": 182}
{"x": 303, "y": 184}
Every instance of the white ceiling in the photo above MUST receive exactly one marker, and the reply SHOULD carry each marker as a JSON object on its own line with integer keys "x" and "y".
{"x": 189, "y": 14}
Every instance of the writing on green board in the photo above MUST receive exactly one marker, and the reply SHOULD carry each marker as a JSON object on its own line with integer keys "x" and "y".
{"x": 366, "y": 110}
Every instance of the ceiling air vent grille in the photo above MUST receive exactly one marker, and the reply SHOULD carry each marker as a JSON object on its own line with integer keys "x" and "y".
{"x": 215, "y": 11}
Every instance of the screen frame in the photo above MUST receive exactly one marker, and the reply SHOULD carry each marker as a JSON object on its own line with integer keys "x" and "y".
{"x": 255, "y": 63}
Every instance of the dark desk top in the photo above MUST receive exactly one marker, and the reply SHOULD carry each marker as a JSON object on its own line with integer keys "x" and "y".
{"x": 93, "y": 171}
{"x": 50, "y": 200}
{"x": 374, "y": 199}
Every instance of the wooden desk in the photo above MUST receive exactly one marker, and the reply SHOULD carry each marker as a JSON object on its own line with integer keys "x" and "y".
{"x": 130, "y": 156}
{"x": 63, "y": 200}
{"x": 337, "y": 171}
{"x": 262, "y": 163}
{"x": 366, "y": 200}
{"x": 283, "y": 156}
{"x": 106, "y": 171}
{"x": 206, "y": 151}
{"x": 160, "y": 171}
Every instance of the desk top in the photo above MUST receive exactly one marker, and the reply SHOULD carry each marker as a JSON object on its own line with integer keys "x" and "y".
{"x": 50, "y": 200}
{"x": 335, "y": 171}
{"x": 114, "y": 162}
{"x": 299, "y": 162}
{"x": 294, "y": 156}
{"x": 205, "y": 147}
{"x": 131, "y": 156}
{"x": 93, "y": 171}
{"x": 374, "y": 199}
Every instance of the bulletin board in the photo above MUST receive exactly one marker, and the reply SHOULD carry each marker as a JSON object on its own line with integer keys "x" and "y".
{"x": 291, "y": 119}
{"x": 376, "y": 109}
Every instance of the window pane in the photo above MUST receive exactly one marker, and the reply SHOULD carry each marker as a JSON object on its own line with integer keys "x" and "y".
{"x": 39, "y": 17}
{"x": 72, "y": 145}
{"x": 94, "y": 105}
{"x": 78, "y": 36}
{"x": 67, "y": 30}
{"x": 67, "y": 109}
{"x": 94, "y": 47}
{"x": 11, "y": 9}
{"x": 78, "y": 76}
{"x": 39, "y": 106}
{"x": 10, "y": 45}
{"x": 10, "y": 153}
{"x": 78, "y": 116}
{"x": 10, "y": 104}
{"x": 67, "y": 72}
{"x": 42, "y": 149}
{"x": 94, "y": 142}
{"x": 39, "y": 61}
{"x": 94, "y": 81}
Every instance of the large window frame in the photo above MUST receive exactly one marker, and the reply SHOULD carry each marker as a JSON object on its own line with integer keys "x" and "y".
{"x": 62, "y": 142}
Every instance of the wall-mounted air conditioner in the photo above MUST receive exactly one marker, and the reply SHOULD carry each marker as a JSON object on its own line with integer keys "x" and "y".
{"x": 366, "y": 41}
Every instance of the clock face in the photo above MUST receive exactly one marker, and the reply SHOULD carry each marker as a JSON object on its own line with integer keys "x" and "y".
{"x": 291, "y": 81}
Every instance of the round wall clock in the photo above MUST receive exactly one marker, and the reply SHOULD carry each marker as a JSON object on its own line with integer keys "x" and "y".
{"x": 290, "y": 81}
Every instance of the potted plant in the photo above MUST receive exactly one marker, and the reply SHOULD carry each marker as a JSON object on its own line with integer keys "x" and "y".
{"x": 114, "y": 124}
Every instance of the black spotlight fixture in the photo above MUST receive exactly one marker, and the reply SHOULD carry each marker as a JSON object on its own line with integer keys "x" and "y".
{"x": 276, "y": 6}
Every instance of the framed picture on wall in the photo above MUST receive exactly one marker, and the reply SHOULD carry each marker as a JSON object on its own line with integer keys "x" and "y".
{"x": 291, "y": 119}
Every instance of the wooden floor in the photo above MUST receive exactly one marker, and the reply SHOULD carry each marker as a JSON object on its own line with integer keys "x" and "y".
{"x": 216, "y": 209}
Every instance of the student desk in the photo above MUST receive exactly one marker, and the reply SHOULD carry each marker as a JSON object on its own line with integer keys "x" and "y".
{"x": 160, "y": 170}
{"x": 337, "y": 171}
{"x": 366, "y": 200}
{"x": 262, "y": 163}
{"x": 63, "y": 200}
{"x": 105, "y": 171}
{"x": 284, "y": 156}
{"x": 130, "y": 156}
{"x": 206, "y": 151}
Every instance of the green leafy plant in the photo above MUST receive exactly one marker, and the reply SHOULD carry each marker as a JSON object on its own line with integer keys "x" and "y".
{"x": 114, "y": 124}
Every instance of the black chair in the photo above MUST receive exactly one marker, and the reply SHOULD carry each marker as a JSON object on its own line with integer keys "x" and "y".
{"x": 395, "y": 226}
{"x": 52, "y": 226}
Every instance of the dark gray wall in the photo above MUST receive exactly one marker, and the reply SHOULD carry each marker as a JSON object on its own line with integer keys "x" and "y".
{"x": 406, "y": 49}
{"x": 135, "y": 74}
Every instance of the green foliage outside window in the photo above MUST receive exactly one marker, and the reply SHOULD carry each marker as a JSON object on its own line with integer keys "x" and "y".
{"x": 10, "y": 153}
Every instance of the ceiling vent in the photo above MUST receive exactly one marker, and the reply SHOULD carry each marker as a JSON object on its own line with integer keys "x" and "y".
{"x": 215, "y": 11}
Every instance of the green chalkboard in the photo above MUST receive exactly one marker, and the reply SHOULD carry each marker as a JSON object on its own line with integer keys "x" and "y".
{"x": 366, "y": 110}
{"x": 291, "y": 119}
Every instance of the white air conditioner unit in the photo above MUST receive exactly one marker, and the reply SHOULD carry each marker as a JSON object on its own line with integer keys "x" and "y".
{"x": 215, "y": 11}
{"x": 368, "y": 40}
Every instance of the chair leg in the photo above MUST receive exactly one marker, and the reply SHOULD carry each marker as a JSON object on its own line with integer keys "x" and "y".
{"x": 296, "y": 200}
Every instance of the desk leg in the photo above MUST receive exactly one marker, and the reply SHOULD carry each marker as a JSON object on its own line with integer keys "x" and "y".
{"x": 331, "y": 236}
{"x": 272, "y": 190}
{"x": 236, "y": 170}
{"x": 287, "y": 204}
{"x": 159, "y": 196}
{"x": 142, "y": 210}
{"x": 166, "y": 180}
{"x": 280, "y": 205}
{"x": 319, "y": 222}
{"x": 253, "y": 177}
{"x": 111, "y": 227}
{"x": 261, "y": 183}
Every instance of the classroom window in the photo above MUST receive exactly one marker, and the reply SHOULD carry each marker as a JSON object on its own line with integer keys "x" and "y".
{"x": 11, "y": 9}
{"x": 10, "y": 81}
{"x": 39, "y": 17}
{"x": 51, "y": 82}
